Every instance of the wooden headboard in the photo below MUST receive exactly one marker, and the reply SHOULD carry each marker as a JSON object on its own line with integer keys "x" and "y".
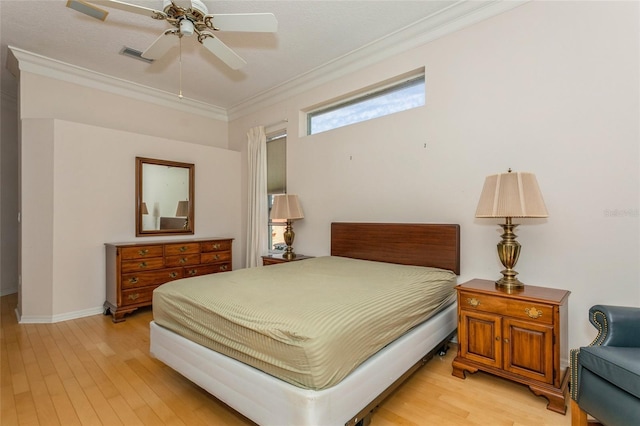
{"x": 435, "y": 245}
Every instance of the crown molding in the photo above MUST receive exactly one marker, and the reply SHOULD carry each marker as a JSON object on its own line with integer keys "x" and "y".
{"x": 456, "y": 17}
{"x": 52, "y": 68}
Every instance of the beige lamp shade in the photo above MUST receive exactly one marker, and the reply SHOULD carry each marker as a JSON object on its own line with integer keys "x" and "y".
{"x": 286, "y": 207}
{"x": 183, "y": 209}
{"x": 511, "y": 195}
{"x": 144, "y": 209}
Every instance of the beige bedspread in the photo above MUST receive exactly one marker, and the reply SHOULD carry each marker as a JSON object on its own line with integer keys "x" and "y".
{"x": 309, "y": 323}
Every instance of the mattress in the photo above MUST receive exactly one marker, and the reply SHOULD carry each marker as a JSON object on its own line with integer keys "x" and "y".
{"x": 308, "y": 323}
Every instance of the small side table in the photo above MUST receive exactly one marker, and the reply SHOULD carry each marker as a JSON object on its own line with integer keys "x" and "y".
{"x": 274, "y": 259}
{"x": 520, "y": 336}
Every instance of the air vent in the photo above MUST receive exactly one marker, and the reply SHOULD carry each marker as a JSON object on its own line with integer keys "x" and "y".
{"x": 133, "y": 53}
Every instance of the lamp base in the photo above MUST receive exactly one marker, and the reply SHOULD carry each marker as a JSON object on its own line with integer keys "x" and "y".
{"x": 289, "y": 235}
{"x": 508, "y": 252}
{"x": 510, "y": 284}
{"x": 289, "y": 255}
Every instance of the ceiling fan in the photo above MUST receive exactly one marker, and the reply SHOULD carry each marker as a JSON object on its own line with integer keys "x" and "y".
{"x": 188, "y": 17}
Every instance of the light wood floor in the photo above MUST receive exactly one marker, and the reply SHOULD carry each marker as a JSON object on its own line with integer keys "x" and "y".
{"x": 90, "y": 371}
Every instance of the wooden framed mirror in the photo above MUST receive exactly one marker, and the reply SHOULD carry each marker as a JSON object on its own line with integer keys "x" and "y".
{"x": 164, "y": 197}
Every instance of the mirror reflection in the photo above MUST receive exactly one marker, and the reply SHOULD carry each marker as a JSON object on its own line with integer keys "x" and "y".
{"x": 164, "y": 200}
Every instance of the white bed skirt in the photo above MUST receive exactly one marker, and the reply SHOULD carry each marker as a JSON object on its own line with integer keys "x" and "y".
{"x": 269, "y": 401}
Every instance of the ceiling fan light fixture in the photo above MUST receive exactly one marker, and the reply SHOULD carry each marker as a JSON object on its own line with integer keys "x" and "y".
{"x": 186, "y": 27}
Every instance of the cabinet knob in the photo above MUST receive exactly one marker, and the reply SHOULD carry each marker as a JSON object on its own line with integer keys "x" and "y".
{"x": 473, "y": 302}
{"x": 134, "y": 296}
{"x": 142, "y": 265}
{"x": 533, "y": 313}
{"x": 143, "y": 252}
{"x": 223, "y": 267}
{"x": 133, "y": 280}
{"x": 497, "y": 338}
{"x": 183, "y": 260}
{"x": 193, "y": 271}
{"x": 183, "y": 248}
{"x": 506, "y": 341}
{"x": 173, "y": 274}
{"x": 216, "y": 246}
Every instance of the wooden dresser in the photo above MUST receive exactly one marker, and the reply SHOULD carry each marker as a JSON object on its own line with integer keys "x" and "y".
{"x": 134, "y": 270}
{"x": 520, "y": 336}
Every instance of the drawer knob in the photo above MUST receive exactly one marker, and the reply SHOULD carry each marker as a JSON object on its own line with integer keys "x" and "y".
{"x": 134, "y": 296}
{"x": 142, "y": 265}
{"x": 143, "y": 252}
{"x": 223, "y": 267}
{"x": 216, "y": 246}
{"x": 173, "y": 274}
{"x": 193, "y": 271}
{"x": 183, "y": 260}
{"x": 183, "y": 248}
{"x": 533, "y": 313}
{"x": 473, "y": 302}
{"x": 133, "y": 280}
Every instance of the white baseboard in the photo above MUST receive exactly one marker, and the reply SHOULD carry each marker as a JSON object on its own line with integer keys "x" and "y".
{"x": 44, "y": 319}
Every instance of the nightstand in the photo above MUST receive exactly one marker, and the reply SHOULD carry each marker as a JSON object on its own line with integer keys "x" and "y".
{"x": 274, "y": 259}
{"x": 519, "y": 336}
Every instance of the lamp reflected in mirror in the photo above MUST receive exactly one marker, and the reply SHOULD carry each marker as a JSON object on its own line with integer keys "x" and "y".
{"x": 183, "y": 211}
{"x": 143, "y": 209}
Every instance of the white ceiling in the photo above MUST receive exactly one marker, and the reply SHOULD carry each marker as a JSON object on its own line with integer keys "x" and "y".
{"x": 313, "y": 37}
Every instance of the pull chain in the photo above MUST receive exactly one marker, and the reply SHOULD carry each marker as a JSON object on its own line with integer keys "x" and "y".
{"x": 180, "y": 65}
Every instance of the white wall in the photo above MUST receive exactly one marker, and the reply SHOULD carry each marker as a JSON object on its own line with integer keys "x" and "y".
{"x": 78, "y": 189}
{"x": 549, "y": 87}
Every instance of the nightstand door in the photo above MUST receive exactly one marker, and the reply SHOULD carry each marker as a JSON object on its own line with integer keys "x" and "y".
{"x": 480, "y": 338}
{"x": 528, "y": 349}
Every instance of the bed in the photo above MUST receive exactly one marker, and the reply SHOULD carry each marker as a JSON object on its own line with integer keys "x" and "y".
{"x": 288, "y": 394}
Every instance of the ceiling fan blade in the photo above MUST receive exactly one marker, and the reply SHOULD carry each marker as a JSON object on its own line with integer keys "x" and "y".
{"x": 249, "y": 22}
{"x": 222, "y": 51}
{"x": 140, "y": 10}
{"x": 161, "y": 46}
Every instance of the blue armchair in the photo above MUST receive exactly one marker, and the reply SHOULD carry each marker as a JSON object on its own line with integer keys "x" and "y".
{"x": 605, "y": 376}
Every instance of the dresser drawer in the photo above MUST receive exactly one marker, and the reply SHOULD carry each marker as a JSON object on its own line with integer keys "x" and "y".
{"x": 142, "y": 264}
{"x": 142, "y": 279}
{"x": 141, "y": 252}
{"x": 514, "y": 308}
{"x": 136, "y": 296}
{"x": 182, "y": 260}
{"x": 182, "y": 248}
{"x": 215, "y": 246}
{"x": 206, "y": 269}
{"x": 215, "y": 256}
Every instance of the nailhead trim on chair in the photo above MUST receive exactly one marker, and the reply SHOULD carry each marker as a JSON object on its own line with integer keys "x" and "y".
{"x": 599, "y": 320}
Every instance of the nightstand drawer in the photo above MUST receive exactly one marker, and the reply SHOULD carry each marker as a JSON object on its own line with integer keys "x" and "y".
{"x": 499, "y": 305}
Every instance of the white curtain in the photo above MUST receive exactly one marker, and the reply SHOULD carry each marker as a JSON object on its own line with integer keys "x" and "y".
{"x": 257, "y": 217}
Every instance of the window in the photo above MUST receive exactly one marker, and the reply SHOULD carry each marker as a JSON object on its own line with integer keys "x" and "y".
{"x": 400, "y": 95}
{"x": 276, "y": 184}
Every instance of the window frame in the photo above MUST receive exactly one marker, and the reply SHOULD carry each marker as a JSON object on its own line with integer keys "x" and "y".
{"x": 383, "y": 89}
